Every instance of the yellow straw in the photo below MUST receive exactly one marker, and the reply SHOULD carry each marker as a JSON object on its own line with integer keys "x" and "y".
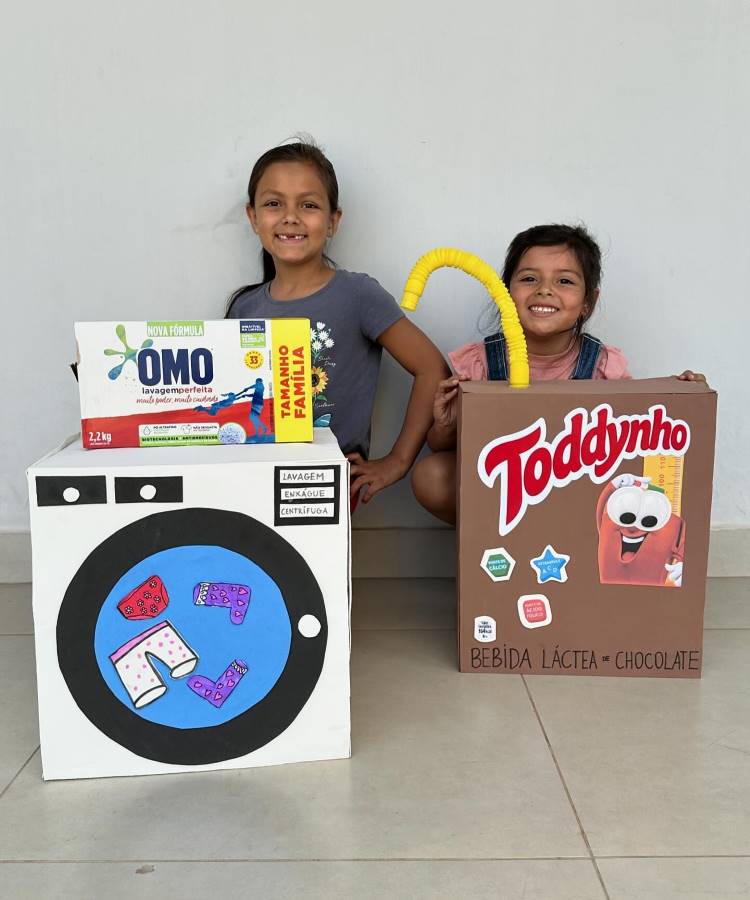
{"x": 518, "y": 359}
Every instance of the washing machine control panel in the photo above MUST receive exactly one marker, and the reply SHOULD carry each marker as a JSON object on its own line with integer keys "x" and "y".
{"x": 70, "y": 490}
{"x": 162, "y": 489}
{"x": 79, "y": 490}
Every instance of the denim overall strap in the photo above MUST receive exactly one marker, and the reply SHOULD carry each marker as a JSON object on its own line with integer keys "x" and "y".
{"x": 497, "y": 367}
{"x": 591, "y": 347}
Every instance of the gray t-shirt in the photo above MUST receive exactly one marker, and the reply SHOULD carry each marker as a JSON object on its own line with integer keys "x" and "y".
{"x": 347, "y": 317}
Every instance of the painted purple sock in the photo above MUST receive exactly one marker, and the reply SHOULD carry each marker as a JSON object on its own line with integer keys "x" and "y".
{"x": 234, "y": 597}
{"x": 239, "y": 607}
{"x": 216, "y": 692}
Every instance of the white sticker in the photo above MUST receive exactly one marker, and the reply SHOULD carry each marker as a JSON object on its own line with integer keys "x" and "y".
{"x": 308, "y": 510}
{"x": 534, "y": 610}
{"x": 311, "y": 492}
{"x": 306, "y": 476}
{"x": 485, "y": 629}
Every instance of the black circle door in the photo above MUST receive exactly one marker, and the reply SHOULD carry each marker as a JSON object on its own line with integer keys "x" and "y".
{"x": 192, "y": 636}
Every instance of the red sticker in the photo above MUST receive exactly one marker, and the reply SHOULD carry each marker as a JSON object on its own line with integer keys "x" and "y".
{"x": 534, "y": 610}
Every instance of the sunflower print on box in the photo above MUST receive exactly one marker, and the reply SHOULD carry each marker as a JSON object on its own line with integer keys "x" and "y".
{"x": 321, "y": 344}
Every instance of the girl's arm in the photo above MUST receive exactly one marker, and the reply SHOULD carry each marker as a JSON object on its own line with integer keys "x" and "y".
{"x": 421, "y": 358}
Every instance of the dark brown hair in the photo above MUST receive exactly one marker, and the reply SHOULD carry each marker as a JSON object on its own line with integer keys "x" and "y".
{"x": 301, "y": 151}
{"x": 576, "y": 239}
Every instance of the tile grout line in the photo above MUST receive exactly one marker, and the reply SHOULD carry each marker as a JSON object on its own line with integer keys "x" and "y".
{"x": 679, "y": 856}
{"x": 356, "y": 859}
{"x": 726, "y": 628}
{"x": 565, "y": 788}
{"x": 12, "y": 780}
{"x": 286, "y": 860}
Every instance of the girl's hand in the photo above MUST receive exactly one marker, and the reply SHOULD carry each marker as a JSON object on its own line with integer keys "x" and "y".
{"x": 375, "y": 473}
{"x": 444, "y": 406}
{"x": 687, "y": 375}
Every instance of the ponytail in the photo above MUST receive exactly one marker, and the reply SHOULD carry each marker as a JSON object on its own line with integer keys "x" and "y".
{"x": 269, "y": 268}
{"x": 269, "y": 273}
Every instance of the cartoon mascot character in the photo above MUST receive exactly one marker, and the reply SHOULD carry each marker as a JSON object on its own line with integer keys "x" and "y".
{"x": 641, "y": 541}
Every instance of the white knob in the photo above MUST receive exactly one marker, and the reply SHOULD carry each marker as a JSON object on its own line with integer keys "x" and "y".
{"x": 309, "y": 626}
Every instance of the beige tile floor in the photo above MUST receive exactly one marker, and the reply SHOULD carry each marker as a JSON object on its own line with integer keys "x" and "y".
{"x": 536, "y": 788}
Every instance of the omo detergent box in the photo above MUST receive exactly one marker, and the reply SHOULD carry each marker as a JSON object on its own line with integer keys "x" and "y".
{"x": 235, "y": 381}
{"x": 583, "y": 525}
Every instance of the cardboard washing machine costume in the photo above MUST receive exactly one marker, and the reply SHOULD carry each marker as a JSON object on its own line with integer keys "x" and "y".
{"x": 191, "y": 606}
{"x": 583, "y": 515}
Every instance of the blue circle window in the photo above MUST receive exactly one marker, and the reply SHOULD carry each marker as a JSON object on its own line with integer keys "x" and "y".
{"x": 192, "y": 636}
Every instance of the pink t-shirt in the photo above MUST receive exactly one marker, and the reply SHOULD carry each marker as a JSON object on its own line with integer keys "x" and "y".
{"x": 470, "y": 361}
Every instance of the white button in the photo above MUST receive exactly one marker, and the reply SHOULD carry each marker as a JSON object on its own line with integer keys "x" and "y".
{"x": 71, "y": 494}
{"x": 148, "y": 492}
{"x": 309, "y": 626}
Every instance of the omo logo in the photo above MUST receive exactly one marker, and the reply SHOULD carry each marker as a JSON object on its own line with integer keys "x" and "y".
{"x": 165, "y": 366}
{"x": 170, "y": 366}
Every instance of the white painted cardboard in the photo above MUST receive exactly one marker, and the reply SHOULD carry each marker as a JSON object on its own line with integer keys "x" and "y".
{"x": 69, "y": 539}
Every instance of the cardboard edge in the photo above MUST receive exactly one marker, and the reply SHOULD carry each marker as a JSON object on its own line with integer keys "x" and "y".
{"x": 65, "y": 443}
{"x": 462, "y": 398}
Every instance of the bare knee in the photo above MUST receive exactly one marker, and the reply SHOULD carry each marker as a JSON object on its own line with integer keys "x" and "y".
{"x": 433, "y": 481}
{"x": 429, "y": 475}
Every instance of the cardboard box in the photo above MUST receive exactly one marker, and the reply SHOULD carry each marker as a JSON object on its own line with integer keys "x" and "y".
{"x": 236, "y": 381}
{"x": 583, "y": 526}
{"x": 191, "y": 607}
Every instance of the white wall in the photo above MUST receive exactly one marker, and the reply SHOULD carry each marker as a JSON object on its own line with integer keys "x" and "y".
{"x": 129, "y": 131}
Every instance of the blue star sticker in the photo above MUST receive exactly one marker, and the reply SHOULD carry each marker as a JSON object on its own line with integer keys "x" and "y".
{"x": 550, "y": 566}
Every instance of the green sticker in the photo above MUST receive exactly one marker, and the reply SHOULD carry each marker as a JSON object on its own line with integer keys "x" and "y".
{"x": 498, "y": 564}
{"x": 253, "y": 340}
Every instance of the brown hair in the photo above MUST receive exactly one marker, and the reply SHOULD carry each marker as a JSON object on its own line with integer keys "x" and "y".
{"x": 576, "y": 239}
{"x": 304, "y": 151}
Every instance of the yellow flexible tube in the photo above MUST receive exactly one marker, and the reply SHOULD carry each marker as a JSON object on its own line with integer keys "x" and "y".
{"x": 518, "y": 359}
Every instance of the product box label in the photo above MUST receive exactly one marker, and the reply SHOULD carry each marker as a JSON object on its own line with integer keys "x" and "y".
{"x": 167, "y": 383}
{"x": 583, "y": 522}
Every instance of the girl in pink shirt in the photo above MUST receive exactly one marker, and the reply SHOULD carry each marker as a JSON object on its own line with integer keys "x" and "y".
{"x": 553, "y": 274}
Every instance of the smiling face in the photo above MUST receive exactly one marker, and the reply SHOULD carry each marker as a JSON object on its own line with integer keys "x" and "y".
{"x": 549, "y": 291}
{"x": 636, "y": 512}
{"x": 291, "y": 213}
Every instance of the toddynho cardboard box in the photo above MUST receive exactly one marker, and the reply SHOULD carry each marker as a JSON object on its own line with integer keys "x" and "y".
{"x": 236, "y": 381}
{"x": 584, "y": 515}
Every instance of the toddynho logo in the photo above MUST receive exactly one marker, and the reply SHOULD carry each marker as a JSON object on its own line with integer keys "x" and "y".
{"x": 128, "y": 353}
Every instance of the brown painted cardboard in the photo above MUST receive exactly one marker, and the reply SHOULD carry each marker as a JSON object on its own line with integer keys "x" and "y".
{"x": 629, "y": 599}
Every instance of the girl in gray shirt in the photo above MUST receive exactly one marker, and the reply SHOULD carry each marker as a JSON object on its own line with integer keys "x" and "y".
{"x": 293, "y": 208}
